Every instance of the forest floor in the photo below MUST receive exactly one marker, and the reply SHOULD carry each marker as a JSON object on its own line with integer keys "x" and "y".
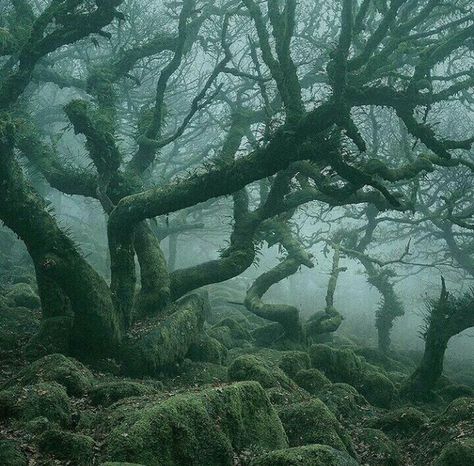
{"x": 237, "y": 398}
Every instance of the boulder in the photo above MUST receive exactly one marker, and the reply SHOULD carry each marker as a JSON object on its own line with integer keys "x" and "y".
{"x": 345, "y": 401}
{"x": 375, "y": 448}
{"x": 457, "y": 453}
{"x": 11, "y": 454}
{"x": 294, "y": 361}
{"x": 455, "y": 424}
{"x": 31, "y": 401}
{"x": 23, "y": 295}
{"x": 74, "y": 448}
{"x": 312, "y": 380}
{"x": 68, "y": 372}
{"x": 401, "y": 422}
{"x": 205, "y": 427}
{"x": 312, "y": 422}
{"x": 105, "y": 394}
{"x": 310, "y": 455}
{"x": 17, "y": 325}
{"x": 207, "y": 349}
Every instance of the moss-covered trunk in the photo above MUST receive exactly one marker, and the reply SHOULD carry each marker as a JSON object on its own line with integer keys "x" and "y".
{"x": 423, "y": 380}
{"x": 66, "y": 281}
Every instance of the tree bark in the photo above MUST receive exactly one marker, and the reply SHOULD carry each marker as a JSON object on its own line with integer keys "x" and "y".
{"x": 66, "y": 281}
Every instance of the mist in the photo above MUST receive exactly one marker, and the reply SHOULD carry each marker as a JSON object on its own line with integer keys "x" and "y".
{"x": 236, "y": 232}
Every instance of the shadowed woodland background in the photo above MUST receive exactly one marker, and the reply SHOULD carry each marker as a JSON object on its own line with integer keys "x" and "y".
{"x": 236, "y": 232}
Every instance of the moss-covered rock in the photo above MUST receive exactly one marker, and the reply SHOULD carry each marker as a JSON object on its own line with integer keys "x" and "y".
{"x": 17, "y": 325}
{"x": 205, "y": 427}
{"x": 68, "y": 372}
{"x": 312, "y": 380}
{"x": 311, "y": 455}
{"x": 375, "y": 448}
{"x": 343, "y": 365}
{"x": 453, "y": 391}
{"x": 11, "y": 454}
{"x": 400, "y": 422}
{"x": 345, "y": 401}
{"x": 23, "y": 295}
{"x": 248, "y": 367}
{"x": 312, "y": 422}
{"x": 456, "y": 423}
{"x": 207, "y": 349}
{"x": 283, "y": 396}
{"x": 267, "y": 335}
{"x": 39, "y": 425}
{"x": 43, "y": 399}
{"x": 54, "y": 336}
{"x": 105, "y": 394}
{"x": 457, "y": 453}
{"x": 382, "y": 360}
{"x": 293, "y": 362}
{"x": 377, "y": 389}
{"x": 119, "y": 463}
{"x": 339, "y": 365}
{"x": 230, "y": 333}
{"x": 77, "y": 449}
{"x": 237, "y": 330}
{"x": 161, "y": 343}
{"x": 191, "y": 374}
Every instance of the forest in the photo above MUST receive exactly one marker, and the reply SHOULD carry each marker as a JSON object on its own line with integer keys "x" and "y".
{"x": 237, "y": 232}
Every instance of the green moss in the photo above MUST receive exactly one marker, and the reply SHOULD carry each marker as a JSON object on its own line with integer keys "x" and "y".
{"x": 380, "y": 359}
{"x": 43, "y": 399}
{"x": 249, "y": 367}
{"x": 105, "y": 394}
{"x": 344, "y": 401}
{"x": 345, "y": 366}
{"x": 376, "y": 449}
{"x": 312, "y": 380}
{"x": 403, "y": 421}
{"x": 451, "y": 392}
{"x": 11, "y": 454}
{"x": 16, "y": 326}
{"x": 377, "y": 389}
{"x": 73, "y": 375}
{"x": 312, "y": 422}
{"x": 207, "y": 349}
{"x": 75, "y": 448}
{"x": 338, "y": 365}
{"x": 159, "y": 349}
{"x": 283, "y": 396}
{"x": 311, "y": 455}
{"x": 238, "y": 331}
{"x": 54, "y": 336}
{"x": 230, "y": 333}
{"x": 267, "y": 335}
{"x": 40, "y": 424}
{"x": 192, "y": 373}
{"x": 23, "y": 295}
{"x": 456, "y": 423}
{"x": 199, "y": 428}
{"x": 293, "y": 362}
{"x": 115, "y": 463}
{"x": 457, "y": 453}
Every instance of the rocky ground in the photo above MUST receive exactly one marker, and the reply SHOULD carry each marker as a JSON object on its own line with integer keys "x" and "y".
{"x": 241, "y": 396}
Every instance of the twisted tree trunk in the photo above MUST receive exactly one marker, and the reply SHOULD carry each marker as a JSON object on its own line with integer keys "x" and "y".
{"x": 67, "y": 283}
{"x": 448, "y": 317}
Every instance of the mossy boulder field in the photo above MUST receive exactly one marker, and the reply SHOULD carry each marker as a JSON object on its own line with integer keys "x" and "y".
{"x": 224, "y": 406}
{"x": 236, "y": 232}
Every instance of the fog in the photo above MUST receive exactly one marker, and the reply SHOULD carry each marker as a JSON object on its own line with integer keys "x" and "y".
{"x": 236, "y": 232}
